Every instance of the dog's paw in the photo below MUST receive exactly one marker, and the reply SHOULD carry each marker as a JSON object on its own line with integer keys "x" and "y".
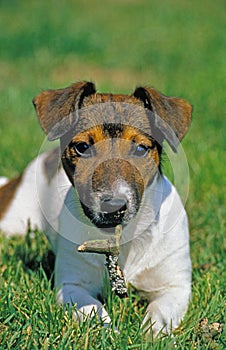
{"x": 86, "y": 306}
{"x": 93, "y": 311}
{"x": 159, "y": 320}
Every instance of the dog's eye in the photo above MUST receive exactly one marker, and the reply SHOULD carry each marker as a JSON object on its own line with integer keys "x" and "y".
{"x": 83, "y": 149}
{"x": 139, "y": 151}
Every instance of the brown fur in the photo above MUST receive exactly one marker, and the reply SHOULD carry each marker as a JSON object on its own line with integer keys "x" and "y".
{"x": 52, "y": 105}
{"x": 103, "y": 146}
{"x": 110, "y": 125}
{"x": 7, "y": 193}
{"x": 56, "y": 109}
{"x": 173, "y": 114}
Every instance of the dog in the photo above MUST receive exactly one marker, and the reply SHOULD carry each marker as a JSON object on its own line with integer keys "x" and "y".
{"x": 110, "y": 174}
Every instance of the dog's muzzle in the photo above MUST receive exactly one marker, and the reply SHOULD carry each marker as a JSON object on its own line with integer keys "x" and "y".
{"x": 113, "y": 195}
{"x": 113, "y": 211}
{"x": 108, "y": 211}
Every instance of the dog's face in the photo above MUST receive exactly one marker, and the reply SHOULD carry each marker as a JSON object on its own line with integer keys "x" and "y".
{"x": 111, "y": 144}
{"x": 111, "y": 161}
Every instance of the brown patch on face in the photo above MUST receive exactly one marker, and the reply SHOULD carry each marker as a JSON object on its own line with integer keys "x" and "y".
{"x": 121, "y": 163}
{"x": 134, "y": 135}
{"x": 104, "y": 146}
{"x": 113, "y": 171}
{"x": 7, "y": 193}
{"x": 91, "y": 136}
{"x": 117, "y": 189}
{"x": 71, "y": 160}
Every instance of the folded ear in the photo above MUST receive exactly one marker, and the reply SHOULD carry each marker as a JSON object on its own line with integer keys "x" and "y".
{"x": 172, "y": 115}
{"x": 56, "y": 109}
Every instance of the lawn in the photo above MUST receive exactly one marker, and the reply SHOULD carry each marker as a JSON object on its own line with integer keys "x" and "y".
{"x": 179, "y": 48}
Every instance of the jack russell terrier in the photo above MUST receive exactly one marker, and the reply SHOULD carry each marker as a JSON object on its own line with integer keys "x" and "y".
{"x": 110, "y": 150}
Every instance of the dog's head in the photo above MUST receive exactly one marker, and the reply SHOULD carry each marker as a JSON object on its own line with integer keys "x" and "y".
{"x": 111, "y": 144}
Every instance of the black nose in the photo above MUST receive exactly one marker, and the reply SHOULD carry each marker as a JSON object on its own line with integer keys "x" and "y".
{"x": 113, "y": 205}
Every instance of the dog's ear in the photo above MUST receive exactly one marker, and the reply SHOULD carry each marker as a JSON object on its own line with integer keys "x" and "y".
{"x": 56, "y": 109}
{"x": 172, "y": 115}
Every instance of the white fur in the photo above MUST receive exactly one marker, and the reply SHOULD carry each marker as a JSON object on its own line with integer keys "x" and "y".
{"x": 37, "y": 202}
{"x": 3, "y": 180}
{"x": 154, "y": 255}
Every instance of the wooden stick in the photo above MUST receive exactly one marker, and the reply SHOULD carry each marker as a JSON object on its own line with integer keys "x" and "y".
{"x": 103, "y": 246}
{"x": 109, "y": 247}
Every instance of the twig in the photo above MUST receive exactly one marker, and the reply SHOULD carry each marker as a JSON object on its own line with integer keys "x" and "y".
{"x": 109, "y": 247}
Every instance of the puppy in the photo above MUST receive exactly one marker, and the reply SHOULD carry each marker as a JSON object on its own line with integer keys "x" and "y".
{"x": 110, "y": 147}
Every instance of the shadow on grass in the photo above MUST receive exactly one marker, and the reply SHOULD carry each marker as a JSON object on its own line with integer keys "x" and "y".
{"x": 35, "y": 252}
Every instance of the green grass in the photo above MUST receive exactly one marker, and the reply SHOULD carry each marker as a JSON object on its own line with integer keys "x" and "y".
{"x": 176, "y": 46}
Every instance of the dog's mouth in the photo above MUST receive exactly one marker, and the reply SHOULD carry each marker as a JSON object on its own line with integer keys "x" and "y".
{"x": 112, "y": 213}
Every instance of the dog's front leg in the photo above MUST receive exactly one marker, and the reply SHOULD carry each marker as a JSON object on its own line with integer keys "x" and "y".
{"x": 86, "y": 305}
{"x": 79, "y": 281}
{"x": 166, "y": 311}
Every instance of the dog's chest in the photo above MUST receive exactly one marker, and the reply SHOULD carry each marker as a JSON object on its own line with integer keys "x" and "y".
{"x": 143, "y": 244}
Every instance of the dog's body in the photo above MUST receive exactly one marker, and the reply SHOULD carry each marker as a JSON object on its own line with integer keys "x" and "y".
{"x": 111, "y": 150}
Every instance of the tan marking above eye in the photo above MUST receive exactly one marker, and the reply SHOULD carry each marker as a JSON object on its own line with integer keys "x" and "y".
{"x": 132, "y": 134}
{"x": 96, "y": 134}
